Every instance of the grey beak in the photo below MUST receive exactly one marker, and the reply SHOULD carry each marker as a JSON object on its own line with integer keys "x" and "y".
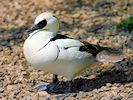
{"x": 32, "y": 28}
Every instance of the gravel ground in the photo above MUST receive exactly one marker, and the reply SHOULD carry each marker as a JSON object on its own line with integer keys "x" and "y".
{"x": 90, "y": 20}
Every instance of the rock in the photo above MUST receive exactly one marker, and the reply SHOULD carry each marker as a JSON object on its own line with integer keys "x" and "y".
{"x": 113, "y": 88}
{"x": 2, "y": 30}
{"x": 124, "y": 95}
{"x": 130, "y": 44}
{"x": 43, "y": 94}
{"x": 13, "y": 87}
{"x": 131, "y": 85}
{"x": 108, "y": 84}
{"x": 127, "y": 85}
{"x": 76, "y": 15}
{"x": 1, "y": 90}
{"x": 105, "y": 98}
{"x": 95, "y": 28}
{"x": 130, "y": 98}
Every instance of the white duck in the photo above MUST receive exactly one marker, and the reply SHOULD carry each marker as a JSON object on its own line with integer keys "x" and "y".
{"x": 47, "y": 50}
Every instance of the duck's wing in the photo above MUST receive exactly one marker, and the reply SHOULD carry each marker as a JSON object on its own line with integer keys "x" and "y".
{"x": 101, "y": 53}
{"x": 66, "y": 42}
{"x": 91, "y": 48}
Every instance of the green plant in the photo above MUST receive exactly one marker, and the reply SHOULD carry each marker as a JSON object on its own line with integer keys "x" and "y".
{"x": 76, "y": 10}
{"x": 126, "y": 23}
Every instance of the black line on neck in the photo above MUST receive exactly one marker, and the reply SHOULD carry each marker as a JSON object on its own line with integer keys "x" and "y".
{"x": 58, "y": 53}
{"x": 44, "y": 45}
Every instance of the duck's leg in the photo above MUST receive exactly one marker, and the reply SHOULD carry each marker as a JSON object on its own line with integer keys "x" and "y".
{"x": 67, "y": 93}
{"x": 44, "y": 86}
{"x": 51, "y": 85}
{"x": 70, "y": 86}
{"x": 55, "y": 79}
{"x": 54, "y": 82}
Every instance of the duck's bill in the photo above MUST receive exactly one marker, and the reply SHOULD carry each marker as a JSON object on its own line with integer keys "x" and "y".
{"x": 32, "y": 28}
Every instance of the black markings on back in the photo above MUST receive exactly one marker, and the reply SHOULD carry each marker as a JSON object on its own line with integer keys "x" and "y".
{"x": 91, "y": 48}
{"x": 59, "y": 36}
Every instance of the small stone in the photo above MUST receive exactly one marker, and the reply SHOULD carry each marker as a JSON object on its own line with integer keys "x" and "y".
{"x": 1, "y": 90}
{"x": 105, "y": 98}
{"x": 105, "y": 88}
{"x": 130, "y": 44}
{"x": 127, "y": 85}
{"x": 75, "y": 30}
{"x": 22, "y": 99}
{"x": 107, "y": 93}
{"x": 117, "y": 85}
{"x": 92, "y": 76}
{"x": 43, "y": 94}
{"x": 2, "y": 30}
{"x": 124, "y": 95}
{"x": 113, "y": 88}
{"x": 130, "y": 98}
{"x": 12, "y": 87}
{"x": 131, "y": 85}
{"x": 108, "y": 84}
{"x": 35, "y": 97}
{"x": 76, "y": 15}
{"x": 113, "y": 93}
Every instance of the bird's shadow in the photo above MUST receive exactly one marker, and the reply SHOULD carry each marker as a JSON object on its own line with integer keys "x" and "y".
{"x": 13, "y": 36}
{"x": 86, "y": 85}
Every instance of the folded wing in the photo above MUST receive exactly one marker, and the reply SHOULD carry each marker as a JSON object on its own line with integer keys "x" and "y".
{"x": 101, "y": 53}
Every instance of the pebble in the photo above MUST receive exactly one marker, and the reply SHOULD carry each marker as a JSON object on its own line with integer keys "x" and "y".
{"x": 130, "y": 44}
{"x": 1, "y": 90}
{"x": 132, "y": 86}
{"x": 130, "y": 98}
{"x": 108, "y": 84}
{"x": 2, "y": 30}
{"x": 105, "y": 98}
{"x": 128, "y": 85}
{"x": 43, "y": 94}
{"x": 95, "y": 28}
{"x": 113, "y": 88}
{"x": 124, "y": 95}
{"x": 13, "y": 87}
{"x": 76, "y": 15}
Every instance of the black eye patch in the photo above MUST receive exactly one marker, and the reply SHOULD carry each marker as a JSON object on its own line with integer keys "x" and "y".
{"x": 42, "y": 24}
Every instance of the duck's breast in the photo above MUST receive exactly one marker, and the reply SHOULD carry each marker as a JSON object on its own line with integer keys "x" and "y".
{"x": 40, "y": 55}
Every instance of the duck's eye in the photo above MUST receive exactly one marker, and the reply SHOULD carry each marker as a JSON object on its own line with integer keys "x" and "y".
{"x": 42, "y": 24}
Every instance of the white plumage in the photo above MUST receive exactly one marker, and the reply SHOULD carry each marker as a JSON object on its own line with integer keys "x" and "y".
{"x": 44, "y": 50}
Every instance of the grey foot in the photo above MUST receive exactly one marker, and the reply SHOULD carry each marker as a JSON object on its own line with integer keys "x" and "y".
{"x": 45, "y": 86}
{"x": 41, "y": 86}
{"x": 50, "y": 86}
{"x": 60, "y": 95}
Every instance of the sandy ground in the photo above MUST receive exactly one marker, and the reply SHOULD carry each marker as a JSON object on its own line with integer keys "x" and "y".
{"x": 90, "y": 20}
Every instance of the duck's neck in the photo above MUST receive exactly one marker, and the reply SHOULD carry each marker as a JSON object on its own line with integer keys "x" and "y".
{"x": 47, "y": 33}
{"x": 38, "y": 39}
{"x": 52, "y": 33}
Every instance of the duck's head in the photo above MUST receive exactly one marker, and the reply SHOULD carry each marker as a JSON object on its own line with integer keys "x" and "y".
{"x": 45, "y": 21}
